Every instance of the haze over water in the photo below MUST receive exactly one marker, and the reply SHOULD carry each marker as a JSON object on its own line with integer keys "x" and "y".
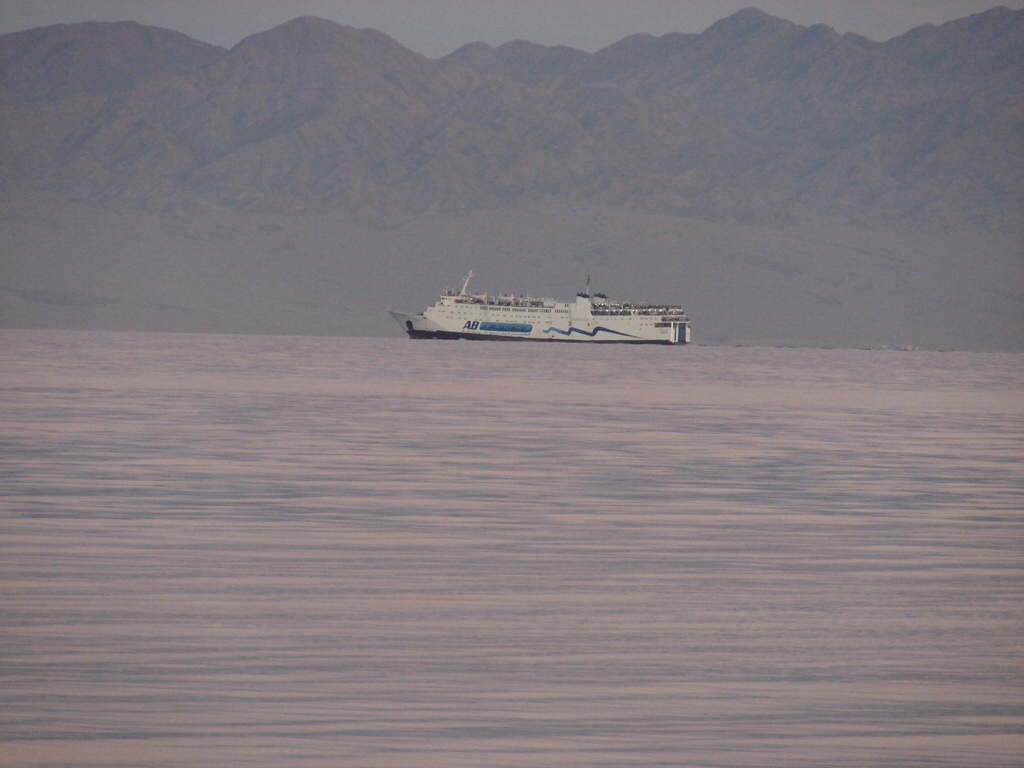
{"x": 268, "y": 551}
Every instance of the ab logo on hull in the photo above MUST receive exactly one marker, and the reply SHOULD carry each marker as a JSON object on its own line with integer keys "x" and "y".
{"x": 486, "y": 327}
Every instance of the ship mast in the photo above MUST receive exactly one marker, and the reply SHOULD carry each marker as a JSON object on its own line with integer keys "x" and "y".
{"x": 465, "y": 285}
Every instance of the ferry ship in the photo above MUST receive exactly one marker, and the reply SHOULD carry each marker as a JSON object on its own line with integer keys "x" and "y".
{"x": 507, "y": 317}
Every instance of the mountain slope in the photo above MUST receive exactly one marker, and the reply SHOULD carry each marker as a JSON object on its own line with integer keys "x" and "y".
{"x": 58, "y": 62}
{"x": 755, "y": 119}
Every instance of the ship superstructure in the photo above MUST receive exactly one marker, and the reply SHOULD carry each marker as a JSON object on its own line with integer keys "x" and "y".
{"x": 508, "y": 317}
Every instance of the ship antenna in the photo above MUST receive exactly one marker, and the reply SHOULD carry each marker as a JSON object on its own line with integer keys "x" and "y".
{"x": 588, "y": 285}
{"x": 465, "y": 285}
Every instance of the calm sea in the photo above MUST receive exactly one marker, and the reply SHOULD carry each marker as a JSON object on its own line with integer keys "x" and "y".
{"x": 268, "y": 551}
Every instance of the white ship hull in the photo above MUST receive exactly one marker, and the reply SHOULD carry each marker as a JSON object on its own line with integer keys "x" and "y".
{"x": 510, "y": 318}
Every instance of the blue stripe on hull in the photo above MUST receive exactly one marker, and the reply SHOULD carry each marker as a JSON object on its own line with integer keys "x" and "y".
{"x": 591, "y": 334}
{"x": 506, "y": 327}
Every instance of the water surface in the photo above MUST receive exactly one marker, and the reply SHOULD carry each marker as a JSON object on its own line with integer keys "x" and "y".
{"x": 371, "y": 552}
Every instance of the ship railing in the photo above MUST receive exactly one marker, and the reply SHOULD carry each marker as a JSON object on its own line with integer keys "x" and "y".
{"x": 628, "y": 310}
{"x": 489, "y": 301}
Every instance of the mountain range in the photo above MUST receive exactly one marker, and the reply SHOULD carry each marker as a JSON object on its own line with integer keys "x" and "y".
{"x": 794, "y": 185}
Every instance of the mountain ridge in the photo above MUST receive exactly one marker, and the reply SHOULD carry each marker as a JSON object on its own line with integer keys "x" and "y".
{"x": 785, "y": 97}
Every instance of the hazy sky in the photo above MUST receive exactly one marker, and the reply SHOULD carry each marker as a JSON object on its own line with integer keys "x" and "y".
{"x": 437, "y": 27}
